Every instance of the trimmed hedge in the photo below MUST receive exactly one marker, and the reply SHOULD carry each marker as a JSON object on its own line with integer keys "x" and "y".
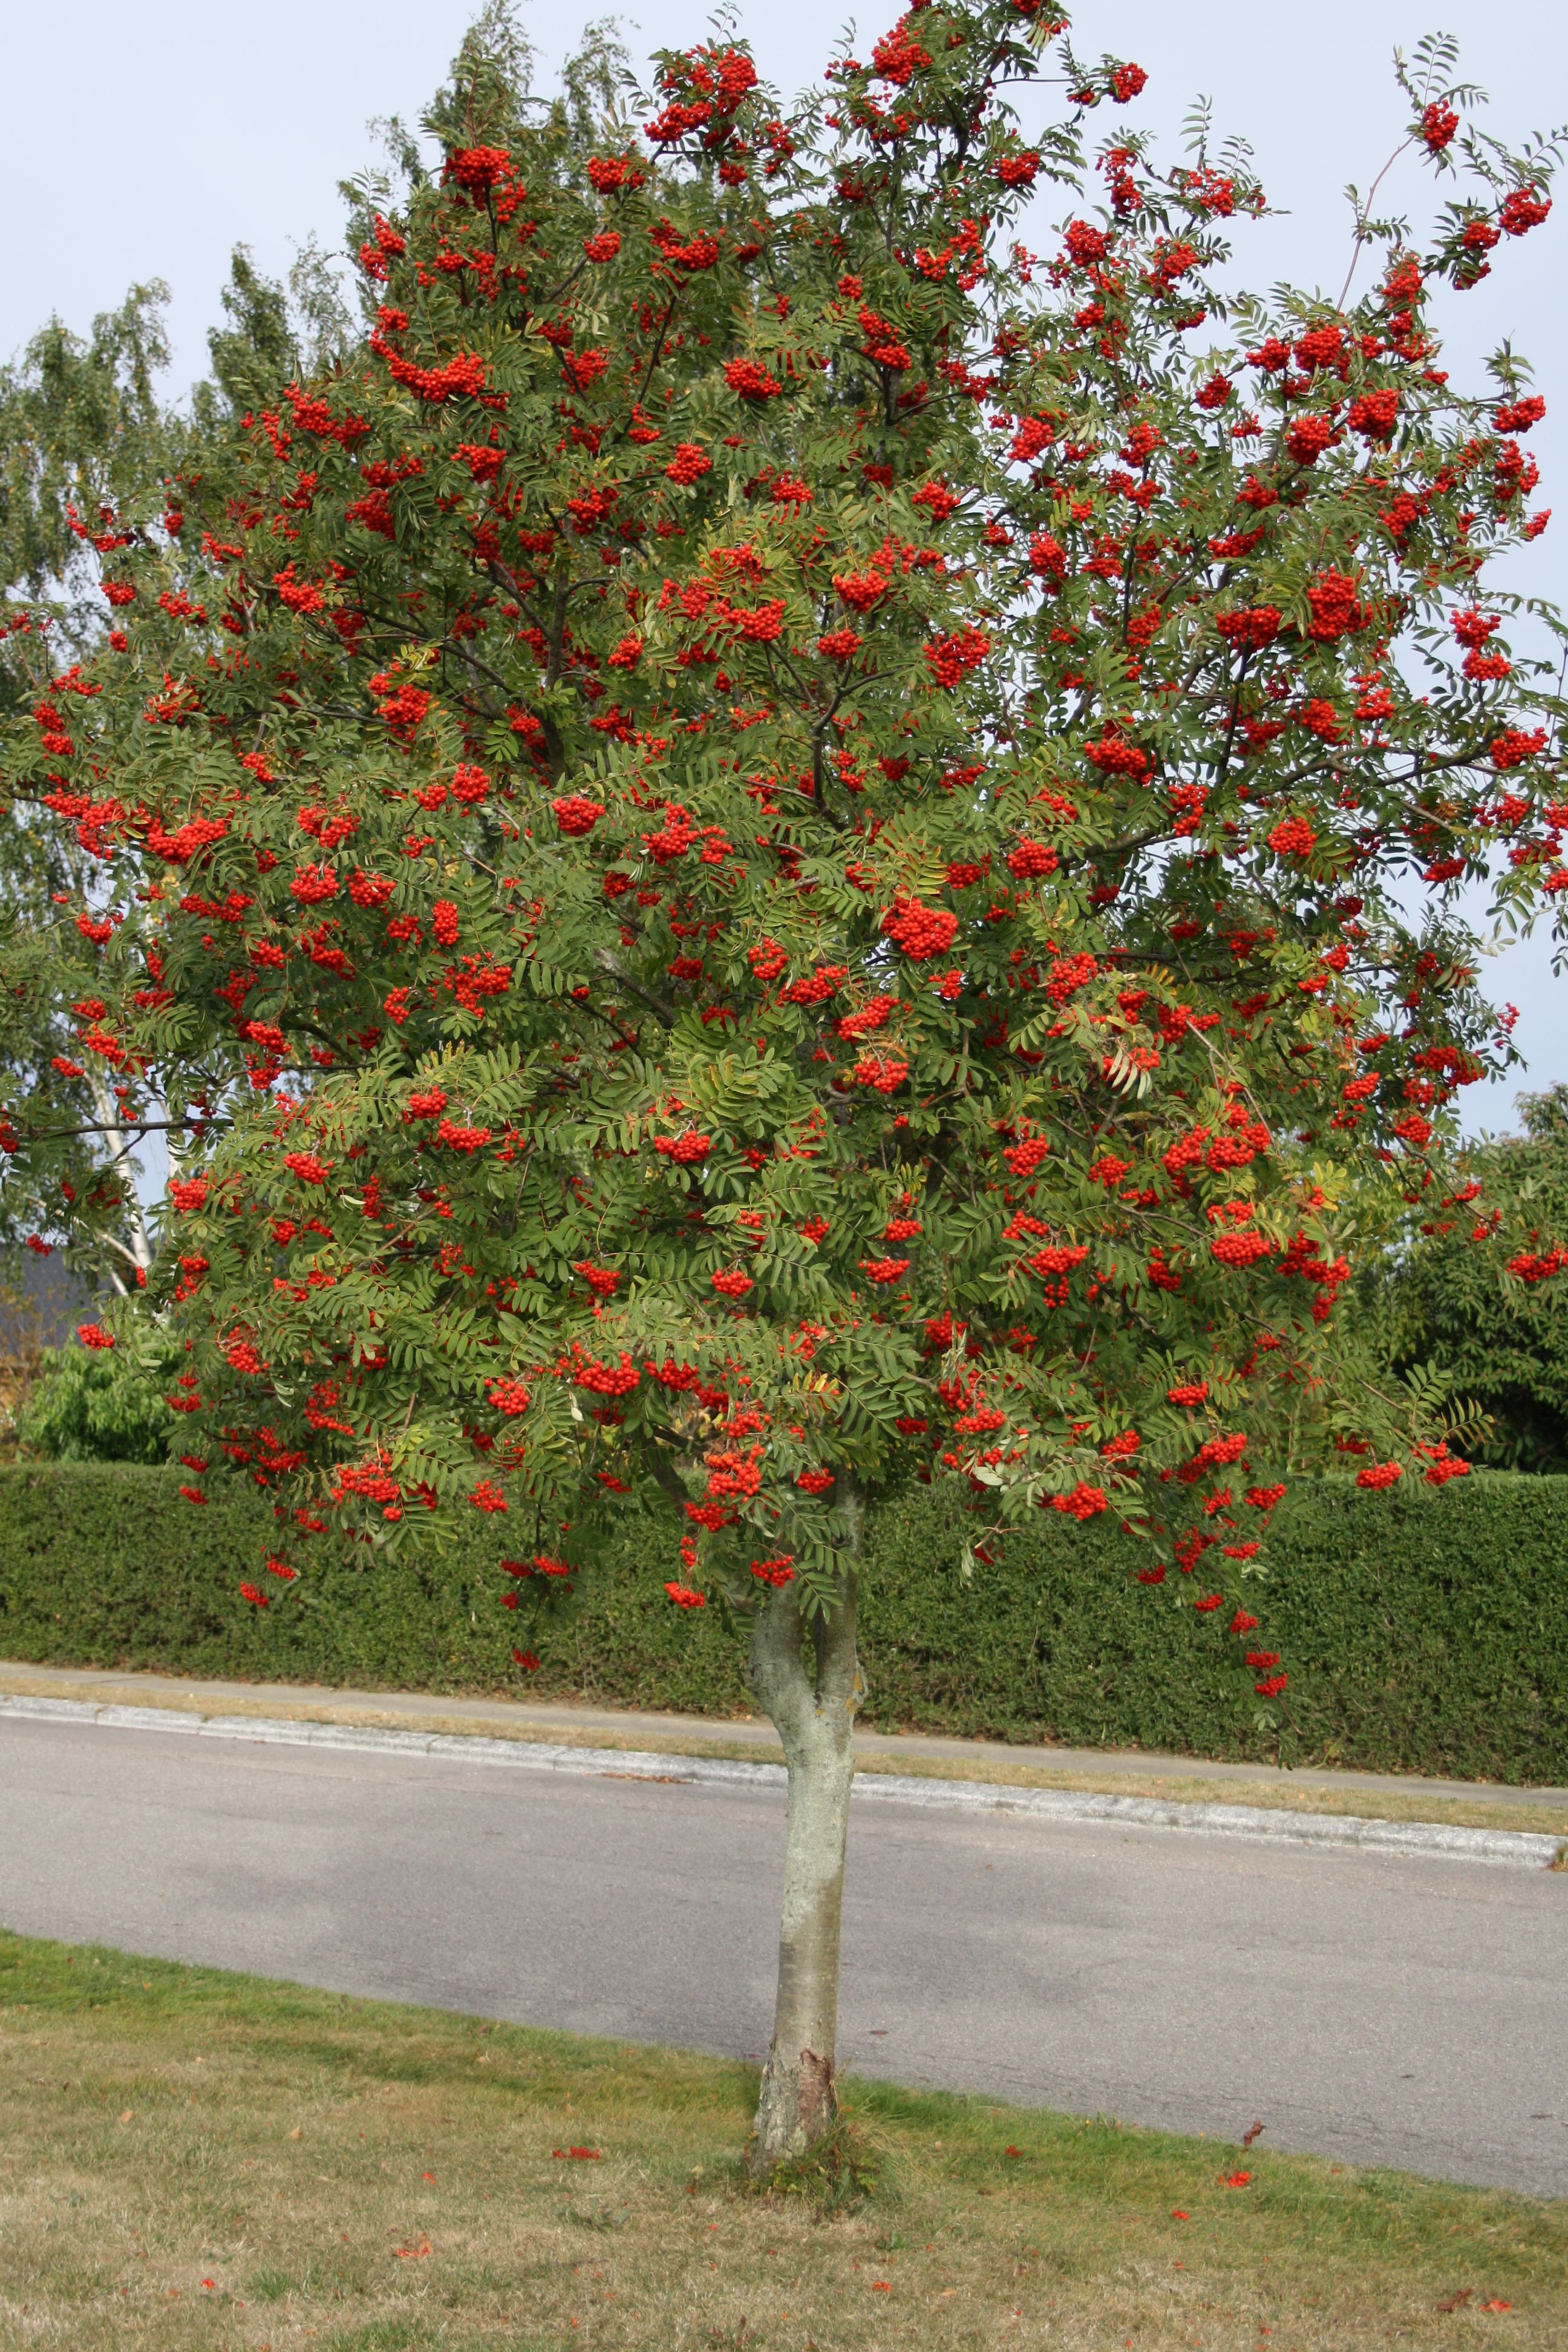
{"x": 1424, "y": 1633}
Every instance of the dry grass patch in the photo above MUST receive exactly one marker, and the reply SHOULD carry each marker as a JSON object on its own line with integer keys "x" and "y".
{"x": 195, "y": 2161}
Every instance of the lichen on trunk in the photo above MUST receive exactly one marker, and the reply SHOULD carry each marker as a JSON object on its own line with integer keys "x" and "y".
{"x": 814, "y": 1713}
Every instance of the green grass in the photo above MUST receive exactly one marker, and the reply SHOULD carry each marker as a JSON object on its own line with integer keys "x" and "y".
{"x": 194, "y": 2160}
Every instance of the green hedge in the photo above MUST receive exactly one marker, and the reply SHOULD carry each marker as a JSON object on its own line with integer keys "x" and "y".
{"x": 1424, "y": 1632}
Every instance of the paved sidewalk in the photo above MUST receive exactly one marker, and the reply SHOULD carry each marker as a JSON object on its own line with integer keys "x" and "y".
{"x": 907, "y": 1752}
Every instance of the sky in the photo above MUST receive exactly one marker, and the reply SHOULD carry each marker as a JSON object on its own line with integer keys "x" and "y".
{"x": 178, "y": 129}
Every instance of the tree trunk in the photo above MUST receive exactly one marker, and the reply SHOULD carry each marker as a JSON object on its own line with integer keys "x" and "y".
{"x": 815, "y": 1717}
{"x": 138, "y": 1251}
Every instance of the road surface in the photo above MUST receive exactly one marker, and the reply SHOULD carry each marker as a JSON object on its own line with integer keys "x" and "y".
{"x": 1368, "y": 2008}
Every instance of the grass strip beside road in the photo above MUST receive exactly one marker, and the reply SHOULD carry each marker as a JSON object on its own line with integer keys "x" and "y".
{"x": 274, "y": 1703}
{"x": 199, "y": 2161}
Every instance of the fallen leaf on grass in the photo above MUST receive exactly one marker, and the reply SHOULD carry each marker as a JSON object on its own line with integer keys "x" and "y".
{"x": 1237, "y": 2180}
{"x": 579, "y": 2155}
{"x": 1456, "y": 2301}
{"x": 1497, "y": 2303}
{"x": 412, "y": 2253}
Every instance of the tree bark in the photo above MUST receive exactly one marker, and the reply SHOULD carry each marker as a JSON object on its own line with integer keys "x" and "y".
{"x": 815, "y": 1717}
{"x": 138, "y": 1251}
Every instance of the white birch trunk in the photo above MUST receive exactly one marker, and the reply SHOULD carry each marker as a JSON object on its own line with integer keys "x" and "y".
{"x": 137, "y": 1250}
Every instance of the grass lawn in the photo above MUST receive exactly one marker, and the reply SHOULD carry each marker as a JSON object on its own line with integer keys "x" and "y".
{"x": 196, "y": 2159}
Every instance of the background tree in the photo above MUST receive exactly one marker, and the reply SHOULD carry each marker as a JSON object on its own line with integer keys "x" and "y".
{"x": 91, "y": 459}
{"x": 1476, "y": 1290}
{"x": 776, "y": 855}
{"x": 81, "y": 430}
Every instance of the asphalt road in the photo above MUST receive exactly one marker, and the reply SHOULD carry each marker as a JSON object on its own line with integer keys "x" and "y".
{"x": 1369, "y": 2008}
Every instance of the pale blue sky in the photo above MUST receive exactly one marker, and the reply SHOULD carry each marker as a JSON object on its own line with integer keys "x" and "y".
{"x": 145, "y": 140}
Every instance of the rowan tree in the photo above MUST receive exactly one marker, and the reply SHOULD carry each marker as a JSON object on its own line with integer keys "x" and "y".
{"x": 778, "y": 855}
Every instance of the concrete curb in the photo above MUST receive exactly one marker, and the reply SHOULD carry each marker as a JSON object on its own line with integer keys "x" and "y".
{"x": 1521, "y": 1849}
